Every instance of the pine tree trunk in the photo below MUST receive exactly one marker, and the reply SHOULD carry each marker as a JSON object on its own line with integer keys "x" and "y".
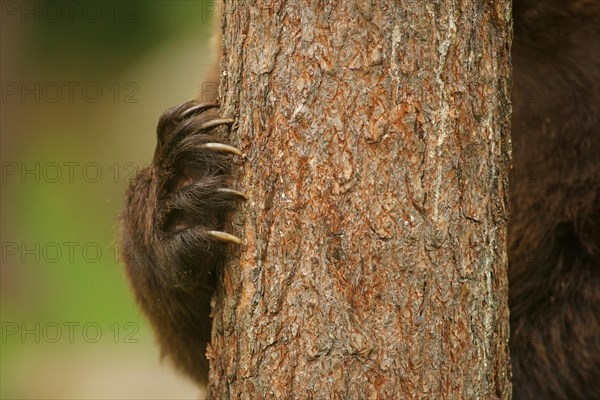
{"x": 374, "y": 260}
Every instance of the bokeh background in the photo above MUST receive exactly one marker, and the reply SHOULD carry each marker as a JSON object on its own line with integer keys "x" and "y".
{"x": 83, "y": 84}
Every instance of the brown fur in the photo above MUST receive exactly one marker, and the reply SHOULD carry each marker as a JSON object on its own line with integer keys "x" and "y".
{"x": 554, "y": 234}
{"x": 171, "y": 261}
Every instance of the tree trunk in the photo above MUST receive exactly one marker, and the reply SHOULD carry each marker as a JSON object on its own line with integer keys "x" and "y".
{"x": 374, "y": 260}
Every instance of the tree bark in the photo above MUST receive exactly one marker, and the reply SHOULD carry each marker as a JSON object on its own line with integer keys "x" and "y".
{"x": 377, "y": 145}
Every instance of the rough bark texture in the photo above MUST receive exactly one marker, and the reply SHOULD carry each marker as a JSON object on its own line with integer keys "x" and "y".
{"x": 377, "y": 143}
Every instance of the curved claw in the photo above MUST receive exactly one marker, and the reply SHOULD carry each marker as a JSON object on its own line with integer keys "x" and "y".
{"x": 216, "y": 122}
{"x": 198, "y": 107}
{"x": 225, "y": 148}
{"x": 224, "y": 237}
{"x": 232, "y": 194}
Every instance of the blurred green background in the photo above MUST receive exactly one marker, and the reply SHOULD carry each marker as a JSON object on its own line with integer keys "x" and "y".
{"x": 83, "y": 84}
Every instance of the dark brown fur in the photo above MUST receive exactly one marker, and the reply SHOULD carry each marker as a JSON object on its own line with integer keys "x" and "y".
{"x": 171, "y": 260}
{"x": 554, "y": 234}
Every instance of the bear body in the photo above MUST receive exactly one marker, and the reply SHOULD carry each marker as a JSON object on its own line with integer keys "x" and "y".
{"x": 174, "y": 242}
